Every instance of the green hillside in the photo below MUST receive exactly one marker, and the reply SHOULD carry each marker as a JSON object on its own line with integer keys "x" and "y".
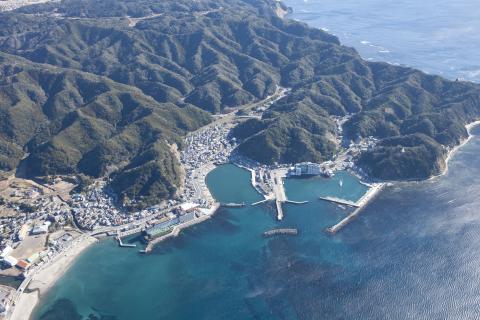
{"x": 68, "y": 122}
{"x": 104, "y": 87}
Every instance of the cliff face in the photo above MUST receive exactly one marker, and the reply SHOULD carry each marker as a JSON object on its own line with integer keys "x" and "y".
{"x": 90, "y": 85}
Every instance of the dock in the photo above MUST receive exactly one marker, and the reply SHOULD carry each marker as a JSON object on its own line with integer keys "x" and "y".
{"x": 361, "y": 204}
{"x": 284, "y": 231}
{"x": 277, "y": 177}
{"x": 340, "y": 201}
{"x": 296, "y": 202}
{"x": 125, "y": 245}
{"x": 279, "y": 209}
{"x": 260, "y": 202}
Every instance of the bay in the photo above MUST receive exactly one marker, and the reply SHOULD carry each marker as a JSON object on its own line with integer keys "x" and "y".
{"x": 413, "y": 253}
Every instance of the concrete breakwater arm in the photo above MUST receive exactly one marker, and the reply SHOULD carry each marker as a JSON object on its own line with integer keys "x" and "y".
{"x": 340, "y": 201}
{"x": 232, "y": 205}
{"x": 124, "y": 245}
{"x": 261, "y": 201}
{"x": 367, "y": 197}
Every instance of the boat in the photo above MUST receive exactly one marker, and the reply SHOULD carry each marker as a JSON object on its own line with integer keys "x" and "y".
{"x": 340, "y": 183}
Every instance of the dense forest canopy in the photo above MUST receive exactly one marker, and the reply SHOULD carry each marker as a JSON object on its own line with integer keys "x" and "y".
{"x": 106, "y": 87}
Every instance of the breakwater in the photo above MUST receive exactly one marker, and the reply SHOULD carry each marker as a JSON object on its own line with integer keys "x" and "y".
{"x": 232, "y": 205}
{"x": 296, "y": 202}
{"x": 124, "y": 245}
{"x": 283, "y": 231}
{"x": 360, "y": 204}
{"x": 339, "y": 201}
{"x": 260, "y": 202}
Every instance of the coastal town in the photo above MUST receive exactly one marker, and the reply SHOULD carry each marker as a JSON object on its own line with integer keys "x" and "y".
{"x": 46, "y": 224}
{"x": 48, "y": 218}
{"x": 7, "y": 5}
{"x": 42, "y": 221}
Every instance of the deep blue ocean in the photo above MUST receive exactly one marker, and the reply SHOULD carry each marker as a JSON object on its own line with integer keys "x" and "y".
{"x": 413, "y": 253}
{"x": 437, "y": 36}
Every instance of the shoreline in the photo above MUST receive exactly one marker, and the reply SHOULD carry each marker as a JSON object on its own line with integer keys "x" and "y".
{"x": 43, "y": 279}
{"x": 253, "y": 181}
{"x": 452, "y": 152}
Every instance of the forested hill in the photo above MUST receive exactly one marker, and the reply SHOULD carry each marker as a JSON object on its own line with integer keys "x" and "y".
{"x": 106, "y": 86}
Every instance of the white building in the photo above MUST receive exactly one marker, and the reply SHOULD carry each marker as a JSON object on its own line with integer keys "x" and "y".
{"x": 305, "y": 168}
{"x": 41, "y": 229}
{"x": 188, "y": 206}
{"x": 10, "y": 261}
{"x": 6, "y": 251}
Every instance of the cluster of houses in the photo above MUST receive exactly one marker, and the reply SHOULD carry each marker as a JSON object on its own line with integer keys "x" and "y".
{"x": 208, "y": 145}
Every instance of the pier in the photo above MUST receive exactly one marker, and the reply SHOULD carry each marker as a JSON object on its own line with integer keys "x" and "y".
{"x": 296, "y": 202}
{"x": 279, "y": 210}
{"x": 260, "y": 202}
{"x": 360, "y": 204}
{"x": 340, "y": 201}
{"x": 125, "y": 245}
{"x": 278, "y": 190}
{"x": 285, "y": 231}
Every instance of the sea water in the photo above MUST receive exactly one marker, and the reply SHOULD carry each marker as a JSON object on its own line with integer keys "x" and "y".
{"x": 210, "y": 271}
{"x": 437, "y": 36}
{"x": 413, "y": 253}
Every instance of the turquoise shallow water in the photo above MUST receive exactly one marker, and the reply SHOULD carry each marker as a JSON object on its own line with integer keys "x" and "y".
{"x": 413, "y": 253}
{"x": 207, "y": 271}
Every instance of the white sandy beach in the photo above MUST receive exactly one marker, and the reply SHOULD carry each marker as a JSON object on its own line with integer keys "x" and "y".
{"x": 44, "y": 278}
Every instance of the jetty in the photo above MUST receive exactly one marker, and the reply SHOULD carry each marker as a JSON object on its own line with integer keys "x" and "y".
{"x": 260, "y": 202}
{"x": 277, "y": 177}
{"x": 279, "y": 210}
{"x": 340, "y": 201}
{"x": 125, "y": 245}
{"x": 360, "y": 204}
{"x": 284, "y": 231}
{"x": 296, "y": 202}
{"x": 233, "y": 205}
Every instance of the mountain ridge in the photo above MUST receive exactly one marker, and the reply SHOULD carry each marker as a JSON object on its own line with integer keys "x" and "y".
{"x": 185, "y": 56}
